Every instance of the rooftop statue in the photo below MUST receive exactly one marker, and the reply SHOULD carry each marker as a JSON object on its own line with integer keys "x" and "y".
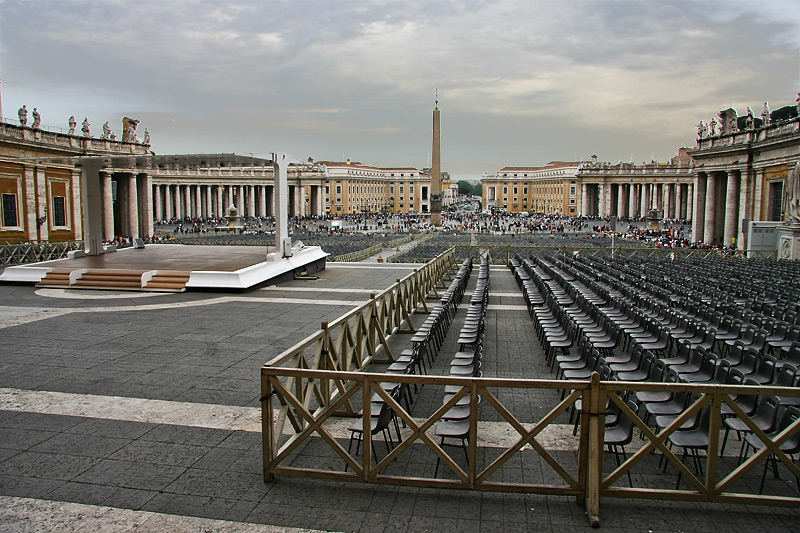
{"x": 23, "y": 116}
{"x": 713, "y": 126}
{"x": 72, "y": 124}
{"x": 701, "y": 127}
{"x": 106, "y": 131}
{"x": 765, "y": 115}
{"x": 85, "y": 128}
{"x": 749, "y": 122}
{"x": 146, "y": 136}
{"x": 37, "y": 119}
{"x": 793, "y": 195}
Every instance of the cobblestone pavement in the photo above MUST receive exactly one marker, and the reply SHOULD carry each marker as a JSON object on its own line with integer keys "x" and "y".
{"x": 123, "y": 411}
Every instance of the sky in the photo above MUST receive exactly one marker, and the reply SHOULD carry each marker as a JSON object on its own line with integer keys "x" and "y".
{"x": 520, "y": 83}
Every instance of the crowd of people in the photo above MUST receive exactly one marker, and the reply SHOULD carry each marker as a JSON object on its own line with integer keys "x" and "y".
{"x": 670, "y": 234}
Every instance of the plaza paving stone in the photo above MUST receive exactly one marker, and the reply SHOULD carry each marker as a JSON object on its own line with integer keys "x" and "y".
{"x": 204, "y": 351}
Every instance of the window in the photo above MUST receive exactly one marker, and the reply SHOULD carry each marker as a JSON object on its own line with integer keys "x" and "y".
{"x": 391, "y": 189}
{"x": 775, "y": 200}
{"x": 572, "y": 190}
{"x": 411, "y": 189}
{"x": 515, "y": 190}
{"x": 10, "y": 210}
{"x": 338, "y": 189}
{"x": 401, "y": 189}
{"x": 505, "y": 190}
{"x": 59, "y": 211}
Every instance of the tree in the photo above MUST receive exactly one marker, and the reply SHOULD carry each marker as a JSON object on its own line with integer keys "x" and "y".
{"x": 464, "y": 187}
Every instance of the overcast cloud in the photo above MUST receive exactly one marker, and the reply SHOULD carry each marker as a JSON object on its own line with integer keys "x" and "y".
{"x": 520, "y": 82}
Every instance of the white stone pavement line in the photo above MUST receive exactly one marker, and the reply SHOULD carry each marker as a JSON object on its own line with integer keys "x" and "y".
{"x": 507, "y": 294}
{"x": 495, "y": 307}
{"x": 555, "y": 437}
{"x": 28, "y": 514}
{"x": 231, "y": 418}
{"x": 82, "y": 294}
{"x": 9, "y": 317}
{"x": 211, "y": 416}
{"x": 317, "y": 289}
{"x": 371, "y": 266}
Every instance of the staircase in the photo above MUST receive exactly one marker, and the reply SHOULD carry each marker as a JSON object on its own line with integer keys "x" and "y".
{"x": 55, "y": 279}
{"x": 119, "y": 280}
{"x": 130, "y": 280}
{"x": 168, "y": 282}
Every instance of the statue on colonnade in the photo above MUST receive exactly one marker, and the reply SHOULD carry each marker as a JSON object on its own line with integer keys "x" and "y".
{"x": 72, "y": 124}
{"x": 23, "y": 115}
{"x": 793, "y": 195}
{"x": 37, "y": 119}
{"x": 85, "y": 127}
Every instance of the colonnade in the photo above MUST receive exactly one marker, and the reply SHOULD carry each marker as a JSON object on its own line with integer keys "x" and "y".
{"x": 171, "y": 201}
{"x": 673, "y": 200}
{"x": 723, "y": 200}
{"x": 133, "y": 215}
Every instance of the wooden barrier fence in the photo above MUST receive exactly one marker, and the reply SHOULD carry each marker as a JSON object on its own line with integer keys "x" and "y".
{"x": 312, "y": 400}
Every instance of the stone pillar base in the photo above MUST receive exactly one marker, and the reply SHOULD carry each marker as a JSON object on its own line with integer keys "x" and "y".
{"x": 789, "y": 240}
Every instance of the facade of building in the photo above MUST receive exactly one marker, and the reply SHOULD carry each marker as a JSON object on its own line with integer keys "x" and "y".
{"x": 628, "y": 190}
{"x": 551, "y": 189}
{"x": 41, "y": 197}
{"x": 40, "y": 190}
{"x": 741, "y": 172}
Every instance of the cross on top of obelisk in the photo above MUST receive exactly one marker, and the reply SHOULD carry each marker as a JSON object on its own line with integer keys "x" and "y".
{"x": 437, "y": 97}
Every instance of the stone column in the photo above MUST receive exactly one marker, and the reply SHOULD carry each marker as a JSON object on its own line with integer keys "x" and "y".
{"x": 320, "y": 200}
{"x": 690, "y": 201}
{"x": 584, "y": 199}
{"x": 632, "y": 200}
{"x": 145, "y": 185}
{"x": 108, "y": 206}
{"x": 262, "y": 201}
{"x": 745, "y": 204}
{"x": 133, "y": 206}
{"x": 157, "y": 205}
{"x": 667, "y": 200}
{"x": 621, "y": 200}
{"x": 711, "y": 211}
{"x": 198, "y": 202}
{"x": 220, "y": 201}
{"x": 187, "y": 201}
{"x": 646, "y": 199}
{"x": 604, "y": 202}
{"x": 209, "y": 205}
{"x": 679, "y": 212}
{"x": 699, "y": 206}
{"x": 732, "y": 209}
{"x": 251, "y": 201}
{"x": 271, "y": 201}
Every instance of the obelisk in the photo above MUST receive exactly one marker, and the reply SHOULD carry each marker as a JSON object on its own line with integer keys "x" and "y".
{"x": 436, "y": 169}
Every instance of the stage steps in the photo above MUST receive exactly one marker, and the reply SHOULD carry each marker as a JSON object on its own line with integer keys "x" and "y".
{"x": 55, "y": 279}
{"x": 130, "y": 280}
{"x": 168, "y": 282}
{"x": 121, "y": 280}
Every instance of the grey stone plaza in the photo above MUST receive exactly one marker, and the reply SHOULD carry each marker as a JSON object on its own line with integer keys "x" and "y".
{"x": 140, "y": 411}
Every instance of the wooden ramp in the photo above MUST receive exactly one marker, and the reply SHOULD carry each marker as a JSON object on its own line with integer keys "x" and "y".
{"x": 116, "y": 279}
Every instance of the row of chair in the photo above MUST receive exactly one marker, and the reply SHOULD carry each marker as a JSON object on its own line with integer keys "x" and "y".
{"x": 467, "y": 362}
{"x": 425, "y": 344}
{"x": 695, "y": 362}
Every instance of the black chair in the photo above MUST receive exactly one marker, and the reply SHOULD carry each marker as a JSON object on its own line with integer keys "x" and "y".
{"x": 620, "y": 434}
{"x": 693, "y": 441}
{"x": 790, "y": 446}
{"x": 378, "y": 424}
{"x": 765, "y": 416}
